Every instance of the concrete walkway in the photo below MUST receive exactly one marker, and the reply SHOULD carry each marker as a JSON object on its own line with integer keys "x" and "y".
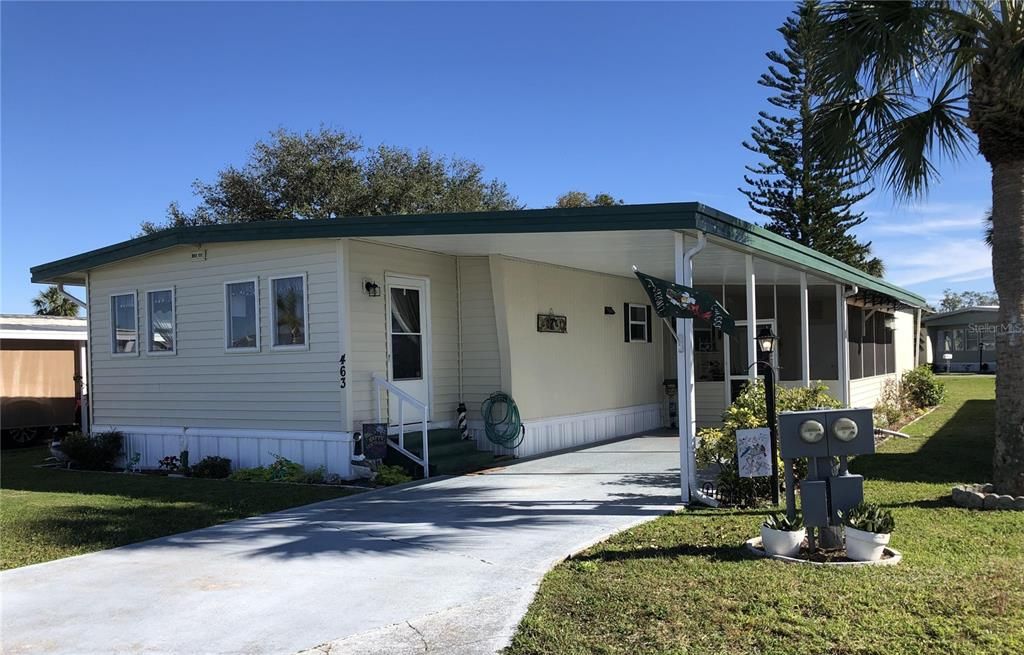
{"x": 447, "y": 566}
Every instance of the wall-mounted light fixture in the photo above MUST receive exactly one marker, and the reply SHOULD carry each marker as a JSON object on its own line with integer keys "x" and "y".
{"x": 372, "y": 288}
{"x": 609, "y": 310}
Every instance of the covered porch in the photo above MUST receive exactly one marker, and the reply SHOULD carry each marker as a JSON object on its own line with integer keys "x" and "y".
{"x": 785, "y": 291}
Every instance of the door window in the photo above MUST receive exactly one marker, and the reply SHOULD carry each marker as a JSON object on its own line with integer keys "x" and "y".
{"x": 406, "y": 335}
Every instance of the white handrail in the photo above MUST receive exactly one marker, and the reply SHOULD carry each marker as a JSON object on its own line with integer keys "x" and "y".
{"x": 380, "y": 384}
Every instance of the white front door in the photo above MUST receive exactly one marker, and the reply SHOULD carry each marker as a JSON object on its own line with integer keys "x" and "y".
{"x": 408, "y": 345}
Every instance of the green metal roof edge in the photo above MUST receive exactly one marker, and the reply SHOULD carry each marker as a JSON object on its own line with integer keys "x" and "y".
{"x": 668, "y": 216}
{"x": 737, "y": 230}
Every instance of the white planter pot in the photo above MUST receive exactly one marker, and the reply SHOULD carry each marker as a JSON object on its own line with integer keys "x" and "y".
{"x": 864, "y": 546}
{"x": 782, "y": 542}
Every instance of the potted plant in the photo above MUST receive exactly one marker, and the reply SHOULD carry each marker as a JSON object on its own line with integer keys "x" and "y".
{"x": 868, "y": 528}
{"x": 780, "y": 536}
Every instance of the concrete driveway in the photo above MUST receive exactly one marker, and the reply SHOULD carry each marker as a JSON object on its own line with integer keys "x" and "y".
{"x": 449, "y": 566}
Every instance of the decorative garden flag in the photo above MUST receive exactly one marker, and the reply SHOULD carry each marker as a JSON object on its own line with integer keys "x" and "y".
{"x": 672, "y": 300}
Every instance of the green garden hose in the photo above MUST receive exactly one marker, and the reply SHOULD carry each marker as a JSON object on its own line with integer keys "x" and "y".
{"x": 501, "y": 420}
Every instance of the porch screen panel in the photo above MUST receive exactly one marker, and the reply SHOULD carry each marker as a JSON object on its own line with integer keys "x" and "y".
{"x": 736, "y": 301}
{"x": 821, "y": 309}
{"x": 869, "y": 344}
{"x": 787, "y": 299}
{"x": 855, "y": 320}
{"x": 879, "y": 319}
{"x": 764, "y": 299}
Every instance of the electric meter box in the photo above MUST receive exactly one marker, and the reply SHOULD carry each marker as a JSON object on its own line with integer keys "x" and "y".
{"x": 826, "y": 433}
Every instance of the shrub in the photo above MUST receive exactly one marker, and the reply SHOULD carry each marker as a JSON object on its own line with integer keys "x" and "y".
{"x": 212, "y": 467}
{"x": 281, "y": 469}
{"x": 892, "y": 406}
{"x": 95, "y": 453}
{"x": 718, "y": 445}
{"x": 388, "y": 475}
{"x": 870, "y": 518}
{"x": 922, "y": 387}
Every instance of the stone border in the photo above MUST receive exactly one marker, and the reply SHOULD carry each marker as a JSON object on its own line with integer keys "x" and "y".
{"x": 890, "y": 556}
{"x": 984, "y": 497}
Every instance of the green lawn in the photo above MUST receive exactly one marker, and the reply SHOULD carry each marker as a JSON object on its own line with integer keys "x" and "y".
{"x": 683, "y": 583}
{"x": 47, "y": 514}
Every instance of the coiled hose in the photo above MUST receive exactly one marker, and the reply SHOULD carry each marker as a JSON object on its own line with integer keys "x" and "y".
{"x": 501, "y": 420}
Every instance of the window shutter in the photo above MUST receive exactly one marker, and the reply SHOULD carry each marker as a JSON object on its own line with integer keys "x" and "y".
{"x": 625, "y": 321}
{"x": 650, "y": 333}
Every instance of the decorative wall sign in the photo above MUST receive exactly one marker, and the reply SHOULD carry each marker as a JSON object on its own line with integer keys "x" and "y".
{"x": 375, "y": 440}
{"x": 753, "y": 449}
{"x": 551, "y": 323}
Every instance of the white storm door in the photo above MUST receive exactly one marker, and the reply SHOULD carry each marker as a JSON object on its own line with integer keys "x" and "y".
{"x": 408, "y": 343}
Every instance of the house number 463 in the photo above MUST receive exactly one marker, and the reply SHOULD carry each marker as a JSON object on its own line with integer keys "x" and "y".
{"x": 341, "y": 371}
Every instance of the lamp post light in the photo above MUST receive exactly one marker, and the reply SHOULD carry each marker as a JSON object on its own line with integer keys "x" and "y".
{"x": 766, "y": 346}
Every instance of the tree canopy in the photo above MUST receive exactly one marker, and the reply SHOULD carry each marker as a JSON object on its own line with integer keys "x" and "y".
{"x": 959, "y": 299}
{"x": 331, "y": 174}
{"x": 51, "y": 302}
{"x": 805, "y": 197}
{"x": 583, "y": 199}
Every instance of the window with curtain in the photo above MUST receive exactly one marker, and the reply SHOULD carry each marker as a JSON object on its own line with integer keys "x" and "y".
{"x": 124, "y": 332}
{"x": 160, "y": 321}
{"x": 242, "y": 322}
{"x": 288, "y": 301}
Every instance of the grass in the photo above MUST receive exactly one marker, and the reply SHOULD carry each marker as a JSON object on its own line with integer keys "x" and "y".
{"x": 47, "y": 514}
{"x": 683, "y": 583}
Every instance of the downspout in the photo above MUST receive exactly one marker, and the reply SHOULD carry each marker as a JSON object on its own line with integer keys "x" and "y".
{"x": 68, "y": 296}
{"x": 685, "y": 348}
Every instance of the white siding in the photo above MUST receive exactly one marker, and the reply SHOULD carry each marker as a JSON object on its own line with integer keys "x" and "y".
{"x": 368, "y": 350}
{"x": 710, "y": 401}
{"x": 591, "y": 368}
{"x": 481, "y": 364}
{"x": 202, "y": 385}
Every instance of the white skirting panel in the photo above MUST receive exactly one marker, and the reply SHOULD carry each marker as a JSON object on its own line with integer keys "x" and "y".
{"x": 559, "y": 432}
{"x": 245, "y": 448}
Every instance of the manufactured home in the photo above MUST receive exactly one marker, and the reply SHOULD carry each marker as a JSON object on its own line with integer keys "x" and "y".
{"x": 42, "y": 375}
{"x": 286, "y": 337}
{"x": 963, "y": 340}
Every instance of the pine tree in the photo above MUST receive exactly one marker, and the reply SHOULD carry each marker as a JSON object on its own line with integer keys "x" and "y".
{"x": 806, "y": 199}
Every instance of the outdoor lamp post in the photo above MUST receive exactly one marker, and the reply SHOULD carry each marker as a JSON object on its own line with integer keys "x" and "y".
{"x": 766, "y": 345}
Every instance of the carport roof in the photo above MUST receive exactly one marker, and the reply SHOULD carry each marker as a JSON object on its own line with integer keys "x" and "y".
{"x": 664, "y": 216}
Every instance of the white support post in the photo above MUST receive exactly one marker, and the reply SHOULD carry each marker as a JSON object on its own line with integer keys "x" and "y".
{"x": 917, "y": 337}
{"x": 843, "y": 338}
{"x": 684, "y": 373}
{"x": 805, "y": 333}
{"x": 751, "y": 320}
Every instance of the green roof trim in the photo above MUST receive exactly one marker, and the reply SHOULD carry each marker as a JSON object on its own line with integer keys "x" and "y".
{"x": 664, "y": 216}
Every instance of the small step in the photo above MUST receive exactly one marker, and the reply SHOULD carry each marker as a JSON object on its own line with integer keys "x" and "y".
{"x": 450, "y": 454}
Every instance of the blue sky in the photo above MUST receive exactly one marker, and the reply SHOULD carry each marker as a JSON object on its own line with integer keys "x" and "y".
{"x": 110, "y": 111}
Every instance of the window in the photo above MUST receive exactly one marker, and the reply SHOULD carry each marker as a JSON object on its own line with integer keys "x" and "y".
{"x": 124, "y": 332}
{"x": 638, "y": 323}
{"x": 160, "y": 337}
{"x": 242, "y": 316}
{"x": 288, "y": 311}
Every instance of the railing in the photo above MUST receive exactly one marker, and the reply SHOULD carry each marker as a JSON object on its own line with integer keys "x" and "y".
{"x": 380, "y": 384}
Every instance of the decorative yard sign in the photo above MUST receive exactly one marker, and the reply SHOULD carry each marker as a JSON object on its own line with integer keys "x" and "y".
{"x": 551, "y": 323}
{"x": 375, "y": 440}
{"x": 672, "y": 300}
{"x": 753, "y": 451}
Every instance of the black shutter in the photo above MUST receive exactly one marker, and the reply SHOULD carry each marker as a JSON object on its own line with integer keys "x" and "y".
{"x": 625, "y": 321}
{"x": 650, "y": 333}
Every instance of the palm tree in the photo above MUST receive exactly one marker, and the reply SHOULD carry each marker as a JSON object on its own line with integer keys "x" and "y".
{"x": 52, "y": 302}
{"x": 913, "y": 81}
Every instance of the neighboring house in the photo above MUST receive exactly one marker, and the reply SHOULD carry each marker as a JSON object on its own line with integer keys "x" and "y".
{"x": 252, "y": 338}
{"x": 968, "y": 335}
{"x": 42, "y": 374}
